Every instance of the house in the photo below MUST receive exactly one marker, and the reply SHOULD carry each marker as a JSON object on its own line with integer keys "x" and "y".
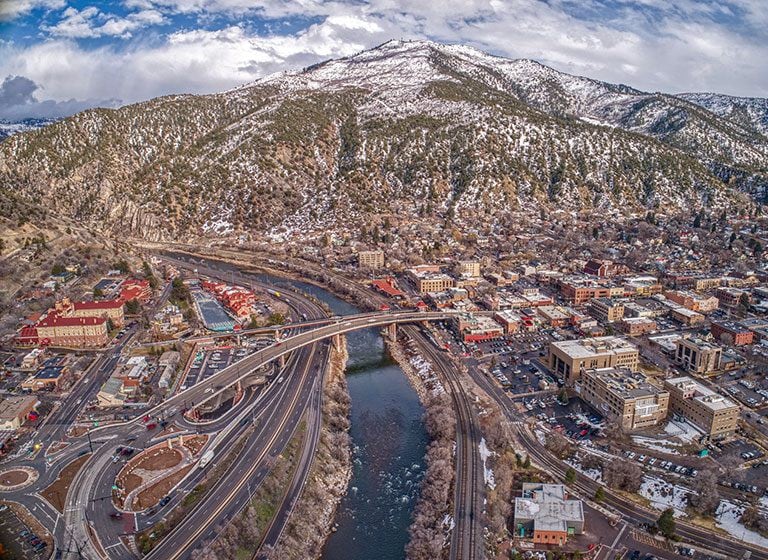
{"x": 14, "y": 411}
{"x": 547, "y": 514}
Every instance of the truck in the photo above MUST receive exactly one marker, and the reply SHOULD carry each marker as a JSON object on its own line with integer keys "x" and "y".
{"x": 206, "y": 458}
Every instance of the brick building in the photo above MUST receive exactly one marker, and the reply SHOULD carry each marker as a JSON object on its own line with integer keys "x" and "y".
{"x": 715, "y": 414}
{"x": 568, "y": 358}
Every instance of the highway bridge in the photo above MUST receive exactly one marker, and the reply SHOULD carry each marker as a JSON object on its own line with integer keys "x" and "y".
{"x": 229, "y": 376}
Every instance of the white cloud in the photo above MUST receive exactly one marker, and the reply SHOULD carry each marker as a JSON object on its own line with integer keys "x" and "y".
{"x": 663, "y": 45}
{"x": 90, "y": 22}
{"x": 12, "y": 9}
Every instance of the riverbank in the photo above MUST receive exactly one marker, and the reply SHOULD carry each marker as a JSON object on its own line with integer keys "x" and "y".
{"x": 310, "y": 523}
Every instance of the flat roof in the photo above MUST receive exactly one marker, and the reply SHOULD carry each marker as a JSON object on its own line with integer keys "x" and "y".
{"x": 588, "y": 347}
{"x": 625, "y": 383}
{"x": 702, "y": 393}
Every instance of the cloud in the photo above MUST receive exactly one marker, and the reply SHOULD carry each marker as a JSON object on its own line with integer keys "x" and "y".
{"x": 12, "y": 9}
{"x": 90, "y": 22}
{"x": 18, "y": 101}
{"x": 655, "y": 45}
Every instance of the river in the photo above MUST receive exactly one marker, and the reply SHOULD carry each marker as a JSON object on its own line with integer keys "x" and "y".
{"x": 389, "y": 442}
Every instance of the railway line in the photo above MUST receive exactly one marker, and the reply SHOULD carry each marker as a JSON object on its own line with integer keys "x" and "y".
{"x": 466, "y": 544}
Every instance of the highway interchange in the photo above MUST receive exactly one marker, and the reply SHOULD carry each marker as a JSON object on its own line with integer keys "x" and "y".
{"x": 261, "y": 423}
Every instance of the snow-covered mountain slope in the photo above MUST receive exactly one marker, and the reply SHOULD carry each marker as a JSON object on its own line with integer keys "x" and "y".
{"x": 413, "y": 129}
{"x": 750, "y": 112}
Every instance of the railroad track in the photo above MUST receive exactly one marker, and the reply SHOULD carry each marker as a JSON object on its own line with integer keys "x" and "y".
{"x": 467, "y": 507}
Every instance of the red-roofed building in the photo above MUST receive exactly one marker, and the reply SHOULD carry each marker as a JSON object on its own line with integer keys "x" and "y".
{"x": 134, "y": 288}
{"x": 387, "y": 287}
{"x": 108, "y": 309}
{"x": 75, "y": 332}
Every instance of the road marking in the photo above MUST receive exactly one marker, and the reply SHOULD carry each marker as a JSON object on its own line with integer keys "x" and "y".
{"x": 618, "y": 537}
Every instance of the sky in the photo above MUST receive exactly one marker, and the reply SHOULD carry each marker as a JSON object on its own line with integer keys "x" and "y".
{"x": 58, "y": 57}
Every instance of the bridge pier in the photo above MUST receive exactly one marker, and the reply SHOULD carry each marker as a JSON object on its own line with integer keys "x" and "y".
{"x": 336, "y": 342}
{"x": 281, "y": 361}
{"x": 392, "y": 332}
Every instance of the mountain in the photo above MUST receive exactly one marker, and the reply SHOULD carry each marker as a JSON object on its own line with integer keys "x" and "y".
{"x": 415, "y": 130}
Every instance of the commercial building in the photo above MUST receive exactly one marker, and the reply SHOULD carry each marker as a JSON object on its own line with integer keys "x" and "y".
{"x": 509, "y": 320}
{"x": 14, "y": 411}
{"x": 108, "y": 309}
{"x": 579, "y": 291}
{"x": 692, "y": 301}
{"x": 730, "y": 298}
{"x": 685, "y": 315}
{"x": 72, "y": 332}
{"x": 643, "y": 286}
{"x": 547, "y": 514}
{"x": 714, "y": 414}
{"x": 697, "y": 356}
{"x": 604, "y": 268}
{"x": 468, "y": 268}
{"x": 729, "y": 332}
{"x": 625, "y": 397}
{"x": 637, "y": 326}
{"x": 370, "y": 259}
{"x": 46, "y": 379}
{"x": 476, "y": 328}
{"x": 606, "y": 310}
{"x": 428, "y": 278}
{"x": 569, "y": 358}
{"x": 554, "y": 316}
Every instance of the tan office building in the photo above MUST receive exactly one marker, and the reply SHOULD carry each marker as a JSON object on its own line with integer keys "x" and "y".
{"x": 625, "y": 397}
{"x": 468, "y": 268}
{"x": 714, "y": 414}
{"x": 370, "y": 259}
{"x": 606, "y": 310}
{"x": 569, "y": 358}
{"x": 697, "y": 356}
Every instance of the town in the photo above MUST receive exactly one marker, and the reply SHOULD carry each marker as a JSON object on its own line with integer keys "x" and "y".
{"x": 601, "y": 388}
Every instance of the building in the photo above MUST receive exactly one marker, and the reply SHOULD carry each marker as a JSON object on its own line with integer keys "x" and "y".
{"x": 569, "y": 358}
{"x": 606, "y": 310}
{"x": 14, "y": 411}
{"x": 468, "y": 268}
{"x": 547, "y": 514}
{"x": 697, "y": 356}
{"x": 428, "y": 278}
{"x": 135, "y": 289}
{"x": 167, "y": 363}
{"x": 109, "y": 309}
{"x": 730, "y": 298}
{"x": 686, "y": 316}
{"x": 642, "y": 286}
{"x": 604, "y": 268}
{"x": 46, "y": 379}
{"x": 692, "y": 301}
{"x": 714, "y": 414}
{"x": 509, "y": 320}
{"x": 637, "y": 326}
{"x": 624, "y": 396}
{"x": 388, "y": 287}
{"x": 554, "y": 316}
{"x": 578, "y": 292}
{"x": 71, "y": 332}
{"x": 476, "y": 328}
{"x": 729, "y": 332}
{"x": 370, "y": 259}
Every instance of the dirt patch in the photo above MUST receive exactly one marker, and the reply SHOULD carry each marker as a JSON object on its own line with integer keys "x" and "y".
{"x": 129, "y": 482}
{"x": 156, "y": 460}
{"x": 56, "y": 493}
{"x": 153, "y": 494}
{"x": 195, "y": 444}
{"x": 12, "y": 478}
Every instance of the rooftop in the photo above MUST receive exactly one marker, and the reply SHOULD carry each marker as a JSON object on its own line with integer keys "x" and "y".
{"x": 588, "y": 347}
{"x": 624, "y": 383}
{"x": 701, "y": 393}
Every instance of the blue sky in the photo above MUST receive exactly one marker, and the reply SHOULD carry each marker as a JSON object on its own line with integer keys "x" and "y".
{"x": 61, "y": 56}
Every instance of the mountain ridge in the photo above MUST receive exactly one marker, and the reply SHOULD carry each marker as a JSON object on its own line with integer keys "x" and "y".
{"x": 445, "y": 134}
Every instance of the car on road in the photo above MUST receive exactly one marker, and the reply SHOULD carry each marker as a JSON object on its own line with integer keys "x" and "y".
{"x": 164, "y": 501}
{"x": 116, "y": 515}
{"x": 151, "y": 426}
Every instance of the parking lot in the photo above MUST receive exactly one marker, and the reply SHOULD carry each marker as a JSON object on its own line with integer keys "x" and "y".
{"x": 575, "y": 420}
{"x": 211, "y": 361}
{"x": 17, "y": 538}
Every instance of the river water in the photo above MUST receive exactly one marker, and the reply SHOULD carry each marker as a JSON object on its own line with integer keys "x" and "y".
{"x": 389, "y": 443}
